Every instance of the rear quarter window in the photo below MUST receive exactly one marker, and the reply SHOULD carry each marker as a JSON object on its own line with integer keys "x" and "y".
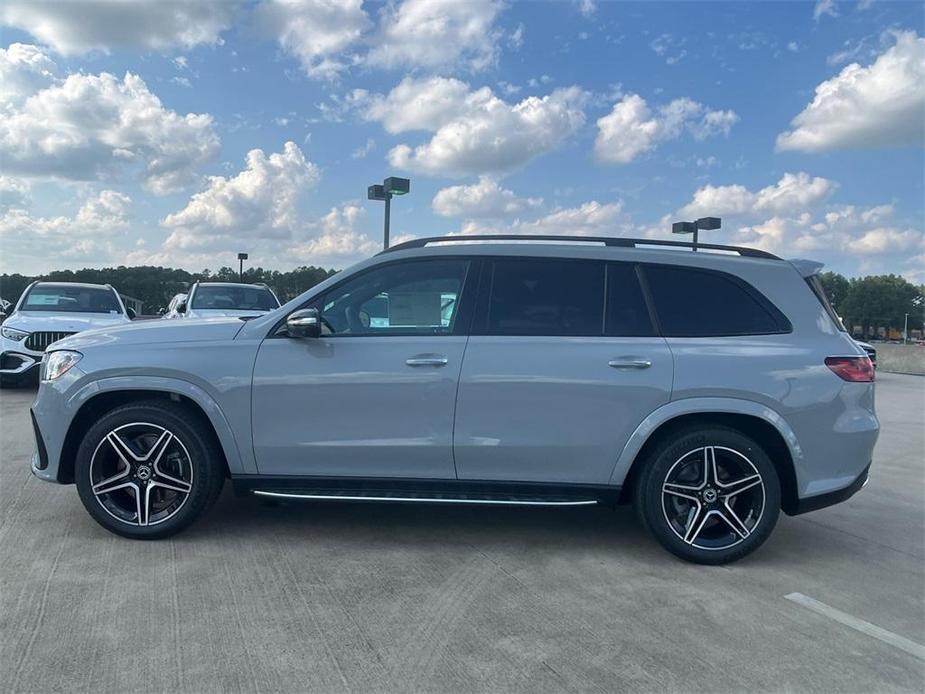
{"x": 692, "y": 302}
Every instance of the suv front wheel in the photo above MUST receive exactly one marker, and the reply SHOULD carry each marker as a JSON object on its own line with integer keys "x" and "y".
{"x": 148, "y": 469}
{"x": 709, "y": 495}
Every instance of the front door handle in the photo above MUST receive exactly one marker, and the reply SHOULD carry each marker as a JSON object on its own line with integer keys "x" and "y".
{"x": 629, "y": 363}
{"x": 426, "y": 360}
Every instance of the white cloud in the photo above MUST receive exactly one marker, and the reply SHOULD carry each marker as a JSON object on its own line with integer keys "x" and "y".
{"x": 886, "y": 240}
{"x": 825, "y": 8}
{"x": 632, "y": 129}
{"x": 475, "y": 132}
{"x": 86, "y": 236}
{"x": 588, "y": 8}
{"x": 669, "y": 47}
{"x": 24, "y": 70}
{"x": 362, "y": 152}
{"x": 437, "y": 34}
{"x": 792, "y": 194}
{"x": 95, "y": 127}
{"x": 881, "y": 105}
{"x": 339, "y": 238}
{"x": 589, "y": 219}
{"x": 13, "y": 193}
{"x": 483, "y": 199}
{"x": 80, "y": 26}
{"x": 259, "y": 202}
{"x": 318, "y": 32}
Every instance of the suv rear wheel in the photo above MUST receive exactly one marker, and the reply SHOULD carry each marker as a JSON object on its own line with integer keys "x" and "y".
{"x": 709, "y": 495}
{"x": 148, "y": 469}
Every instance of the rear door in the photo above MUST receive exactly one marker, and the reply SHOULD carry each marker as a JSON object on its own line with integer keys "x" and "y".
{"x": 562, "y": 366}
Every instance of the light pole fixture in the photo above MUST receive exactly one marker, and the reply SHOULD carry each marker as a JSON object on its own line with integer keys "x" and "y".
{"x": 390, "y": 186}
{"x": 705, "y": 223}
{"x": 241, "y": 258}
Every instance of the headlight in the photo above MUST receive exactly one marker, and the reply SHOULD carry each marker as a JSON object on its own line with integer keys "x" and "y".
{"x": 58, "y": 363}
{"x": 13, "y": 334}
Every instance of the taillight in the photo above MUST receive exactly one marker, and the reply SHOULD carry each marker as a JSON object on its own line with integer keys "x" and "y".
{"x": 855, "y": 369}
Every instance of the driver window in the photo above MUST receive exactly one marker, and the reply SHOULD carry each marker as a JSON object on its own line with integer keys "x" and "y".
{"x": 416, "y": 297}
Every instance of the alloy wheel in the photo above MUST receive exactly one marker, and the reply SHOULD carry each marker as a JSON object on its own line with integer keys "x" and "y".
{"x": 713, "y": 498}
{"x": 141, "y": 474}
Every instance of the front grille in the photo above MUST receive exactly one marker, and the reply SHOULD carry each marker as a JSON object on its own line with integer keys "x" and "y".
{"x": 38, "y": 342}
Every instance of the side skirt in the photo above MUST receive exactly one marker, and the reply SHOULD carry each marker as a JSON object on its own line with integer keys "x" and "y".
{"x": 391, "y": 490}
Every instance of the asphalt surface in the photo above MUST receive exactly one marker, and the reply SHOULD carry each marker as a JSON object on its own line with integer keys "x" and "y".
{"x": 337, "y": 597}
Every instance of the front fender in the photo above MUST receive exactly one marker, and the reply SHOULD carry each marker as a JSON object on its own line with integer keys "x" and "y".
{"x": 237, "y": 463}
{"x": 686, "y": 406}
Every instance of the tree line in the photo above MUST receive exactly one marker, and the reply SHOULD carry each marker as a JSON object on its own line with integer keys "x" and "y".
{"x": 155, "y": 286}
{"x": 875, "y": 302}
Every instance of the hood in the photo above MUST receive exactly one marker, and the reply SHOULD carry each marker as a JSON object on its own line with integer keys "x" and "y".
{"x": 156, "y": 332}
{"x": 45, "y": 321}
{"x": 223, "y": 313}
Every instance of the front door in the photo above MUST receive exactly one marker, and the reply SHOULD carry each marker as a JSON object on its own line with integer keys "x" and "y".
{"x": 562, "y": 366}
{"x": 374, "y": 396}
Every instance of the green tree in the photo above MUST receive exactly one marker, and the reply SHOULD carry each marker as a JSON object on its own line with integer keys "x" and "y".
{"x": 882, "y": 301}
{"x": 836, "y": 288}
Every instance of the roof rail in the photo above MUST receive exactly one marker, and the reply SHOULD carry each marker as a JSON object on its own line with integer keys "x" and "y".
{"x": 611, "y": 241}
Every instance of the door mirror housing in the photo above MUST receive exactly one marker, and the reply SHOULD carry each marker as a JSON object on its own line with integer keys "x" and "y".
{"x": 304, "y": 323}
{"x": 130, "y": 312}
{"x": 181, "y": 307}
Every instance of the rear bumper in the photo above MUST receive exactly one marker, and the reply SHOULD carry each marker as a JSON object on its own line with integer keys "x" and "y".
{"x": 814, "y": 503}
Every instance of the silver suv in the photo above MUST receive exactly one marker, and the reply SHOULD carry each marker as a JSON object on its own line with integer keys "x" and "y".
{"x": 711, "y": 389}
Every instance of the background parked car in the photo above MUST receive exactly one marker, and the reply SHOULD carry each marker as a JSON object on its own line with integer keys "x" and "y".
{"x": 171, "y": 311}
{"x": 232, "y": 299}
{"x": 48, "y": 312}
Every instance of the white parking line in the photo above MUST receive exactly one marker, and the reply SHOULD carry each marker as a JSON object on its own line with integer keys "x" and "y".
{"x": 901, "y": 642}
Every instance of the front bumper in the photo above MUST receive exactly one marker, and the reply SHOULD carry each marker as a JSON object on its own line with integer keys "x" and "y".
{"x": 814, "y": 503}
{"x": 18, "y": 366}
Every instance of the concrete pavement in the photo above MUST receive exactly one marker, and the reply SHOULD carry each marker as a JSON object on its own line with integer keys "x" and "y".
{"x": 339, "y": 597}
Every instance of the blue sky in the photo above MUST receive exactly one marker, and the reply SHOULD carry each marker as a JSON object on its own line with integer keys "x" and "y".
{"x": 130, "y": 128}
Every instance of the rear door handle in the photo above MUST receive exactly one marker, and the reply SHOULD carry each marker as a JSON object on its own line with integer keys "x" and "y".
{"x": 627, "y": 363}
{"x": 426, "y": 360}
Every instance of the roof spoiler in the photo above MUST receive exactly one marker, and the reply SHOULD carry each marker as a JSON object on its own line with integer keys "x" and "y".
{"x": 807, "y": 268}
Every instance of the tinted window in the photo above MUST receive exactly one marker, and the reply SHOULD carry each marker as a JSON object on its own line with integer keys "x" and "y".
{"x": 50, "y": 297}
{"x": 627, "y": 313}
{"x": 546, "y": 297}
{"x": 401, "y": 298}
{"x": 233, "y": 298}
{"x": 701, "y": 303}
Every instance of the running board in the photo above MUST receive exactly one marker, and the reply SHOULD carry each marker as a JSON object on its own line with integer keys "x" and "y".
{"x": 406, "y": 497}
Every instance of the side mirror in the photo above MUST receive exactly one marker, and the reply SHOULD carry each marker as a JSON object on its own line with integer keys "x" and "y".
{"x": 181, "y": 307}
{"x": 304, "y": 323}
{"x": 130, "y": 312}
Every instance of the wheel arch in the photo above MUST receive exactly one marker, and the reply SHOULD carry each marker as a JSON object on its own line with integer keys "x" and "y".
{"x": 760, "y": 423}
{"x": 103, "y": 397}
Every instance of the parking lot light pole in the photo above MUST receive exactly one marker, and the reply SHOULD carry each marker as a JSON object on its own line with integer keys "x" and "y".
{"x": 390, "y": 186}
{"x": 241, "y": 258}
{"x": 705, "y": 223}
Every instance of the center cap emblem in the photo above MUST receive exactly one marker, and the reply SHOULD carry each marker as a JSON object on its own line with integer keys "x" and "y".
{"x": 709, "y": 495}
{"x": 143, "y": 473}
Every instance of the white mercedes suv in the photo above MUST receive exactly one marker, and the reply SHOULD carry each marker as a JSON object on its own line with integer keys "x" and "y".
{"x": 50, "y": 311}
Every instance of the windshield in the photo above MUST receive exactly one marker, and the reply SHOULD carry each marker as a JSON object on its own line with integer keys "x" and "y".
{"x": 71, "y": 299}
{"x": 231, "y": 298}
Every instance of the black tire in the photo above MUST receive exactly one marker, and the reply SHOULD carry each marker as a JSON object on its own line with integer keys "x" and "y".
{"x": 673, "y": 512}
{"x": 191, "y": 447}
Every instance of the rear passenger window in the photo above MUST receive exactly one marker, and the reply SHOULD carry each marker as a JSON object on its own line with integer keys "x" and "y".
{"x": 703, "y": 303}
{"x": 536, "y": 296}
{"x": 627, "y": 313}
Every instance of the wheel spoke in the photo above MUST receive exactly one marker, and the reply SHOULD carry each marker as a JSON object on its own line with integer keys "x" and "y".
{"x": 143, "y": 504}
{"x": 173, "y": 484}
{"x": 732, "y": 519}
{"x": 739, "y": 486}
{"x": 681, "y": 490}
{"x": 111, "y": 484}
{"x": 121, "y": 448}
{"x": 710, "y": 478}
{"x": 696, "y": 519}
{"x": 158, "y": 447}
